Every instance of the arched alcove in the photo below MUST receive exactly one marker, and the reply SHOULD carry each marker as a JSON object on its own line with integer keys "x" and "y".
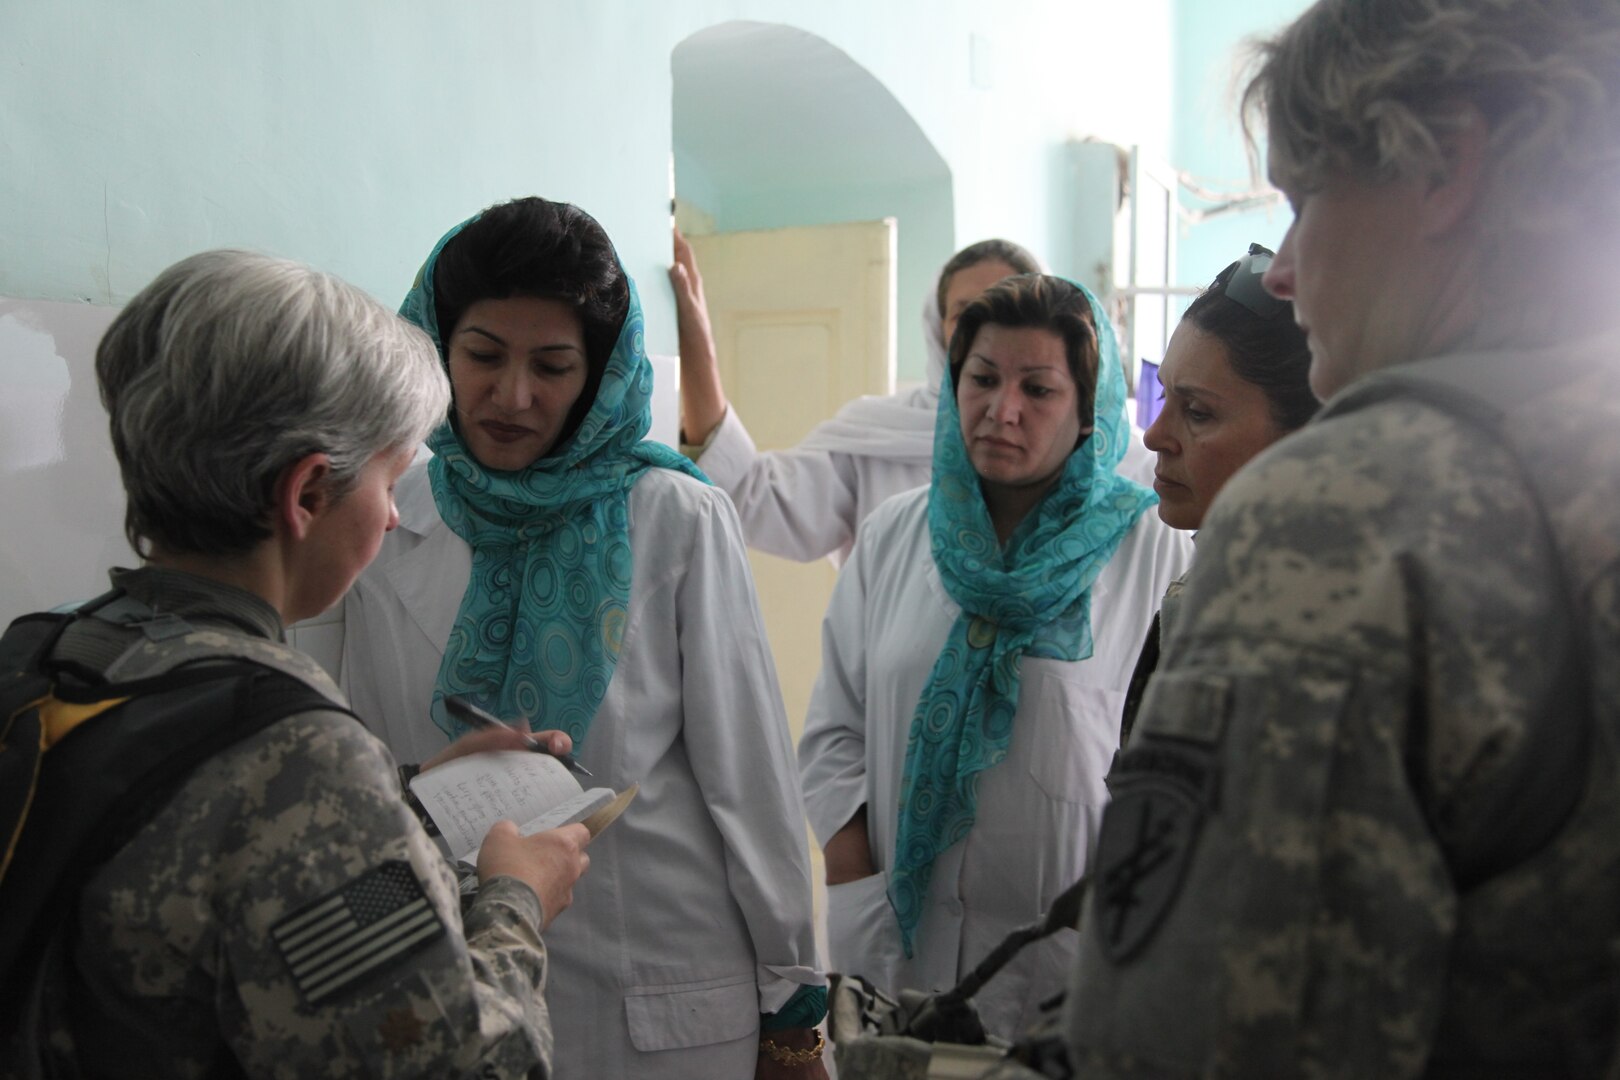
{"x": 775, "y": 126}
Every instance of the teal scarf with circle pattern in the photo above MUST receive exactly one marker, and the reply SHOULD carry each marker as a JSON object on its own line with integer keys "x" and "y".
{"x": 543, "y": 617}
{"x": 1032, "y": 598}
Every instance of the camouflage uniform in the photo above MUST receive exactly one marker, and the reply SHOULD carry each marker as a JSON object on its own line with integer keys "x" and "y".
{"x": 172, "y": 967}
{"x": 1147, "y": 661}
{"x": 1309, "y": 865}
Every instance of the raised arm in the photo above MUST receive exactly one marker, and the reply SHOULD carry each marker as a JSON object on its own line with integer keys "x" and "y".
{"x": 795, "y": 504}
{"x": 703, "y": 398}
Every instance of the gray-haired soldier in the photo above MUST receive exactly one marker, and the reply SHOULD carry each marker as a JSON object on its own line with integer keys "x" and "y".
{"x": 1369, "y": 821}
{"x": 283, "y": 913}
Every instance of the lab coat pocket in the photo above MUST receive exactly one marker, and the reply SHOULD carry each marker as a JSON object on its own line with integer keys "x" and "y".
{"x": 679, "y": 1015}
{"x": 863, "y": 937}
{"x": 1074, "y": 730}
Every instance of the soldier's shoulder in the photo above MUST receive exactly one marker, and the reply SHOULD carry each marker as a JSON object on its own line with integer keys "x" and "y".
{"x": 1320, "y": 537}
{"x": 312, "y": 756}
{"x": 1384, "y": 471}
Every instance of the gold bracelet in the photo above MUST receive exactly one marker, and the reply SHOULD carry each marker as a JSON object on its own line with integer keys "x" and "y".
{"x": 783, "y": 1055}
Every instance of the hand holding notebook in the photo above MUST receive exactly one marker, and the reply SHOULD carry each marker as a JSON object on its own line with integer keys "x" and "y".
{"x": 469, "y": 794}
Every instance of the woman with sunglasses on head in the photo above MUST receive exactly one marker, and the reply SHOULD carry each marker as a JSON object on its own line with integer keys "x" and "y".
{"x": 552, "y": 564}
{"x": 1236, "y": 378}
{"x": 975, "y": 656}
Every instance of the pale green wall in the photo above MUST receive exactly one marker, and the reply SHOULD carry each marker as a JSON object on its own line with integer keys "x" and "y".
{"x": 350, "y": 133}
{"x": 1209, "y": 47}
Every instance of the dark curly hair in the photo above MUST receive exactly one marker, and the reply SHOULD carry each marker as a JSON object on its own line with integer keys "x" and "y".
{"x": 1268, "y": 351}
{"x": 1043, "y": 302}
{"x": 533, "y": 247}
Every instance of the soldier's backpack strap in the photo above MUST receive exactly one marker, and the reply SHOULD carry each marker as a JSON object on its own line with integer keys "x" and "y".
{"x": 178, "y": 645}
{"x": 1484, "y": 390}
{"x": 85, "y": 765}
{"x": 25, "y": 730}
{"x": 24, "y": 687}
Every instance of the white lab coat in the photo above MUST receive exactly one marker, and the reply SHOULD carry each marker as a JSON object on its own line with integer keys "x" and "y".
{"x": 1038, "y": 810}
{"x": 694, "y": 916}
{"x": 802, "y": 504}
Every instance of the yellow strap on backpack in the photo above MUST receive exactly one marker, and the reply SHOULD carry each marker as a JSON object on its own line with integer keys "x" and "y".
{"x": 56, "y": 719}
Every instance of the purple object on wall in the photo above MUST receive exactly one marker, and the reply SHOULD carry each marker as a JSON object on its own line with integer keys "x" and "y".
{"x": 1149, "y": 395}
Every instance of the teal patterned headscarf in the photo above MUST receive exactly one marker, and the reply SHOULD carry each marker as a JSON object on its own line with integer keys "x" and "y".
{"x": 541, "y": 622}
{"x": 1032, "y": 598}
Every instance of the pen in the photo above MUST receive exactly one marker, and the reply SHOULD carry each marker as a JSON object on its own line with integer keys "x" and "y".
{"x": 462, "y": 709}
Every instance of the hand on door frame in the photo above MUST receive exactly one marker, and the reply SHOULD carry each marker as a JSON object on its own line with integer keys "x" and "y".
{"x": 703, "y": 398}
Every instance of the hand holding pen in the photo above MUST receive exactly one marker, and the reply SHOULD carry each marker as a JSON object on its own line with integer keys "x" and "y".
{"x": 465, "y": 711}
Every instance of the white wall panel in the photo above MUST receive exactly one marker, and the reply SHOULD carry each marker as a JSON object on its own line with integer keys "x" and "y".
{"x": 61, "y": 504}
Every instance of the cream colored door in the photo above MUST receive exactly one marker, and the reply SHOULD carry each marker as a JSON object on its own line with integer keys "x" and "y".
{"x": 803, "y": 321}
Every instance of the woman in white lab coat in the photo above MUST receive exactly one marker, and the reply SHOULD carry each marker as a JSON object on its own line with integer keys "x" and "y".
{"x": 975, "y": 657}
{"x": 552, "y": 565}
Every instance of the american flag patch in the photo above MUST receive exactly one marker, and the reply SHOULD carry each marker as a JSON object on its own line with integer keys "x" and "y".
{"x": 377, "y": 919}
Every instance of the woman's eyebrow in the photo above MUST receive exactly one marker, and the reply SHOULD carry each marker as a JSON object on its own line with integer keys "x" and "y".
{"x": 1185, "y": 388}
{"x": 1025, "y": 369}
{"x": 559, "y": 346}
{"x": 496, "y": 338}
